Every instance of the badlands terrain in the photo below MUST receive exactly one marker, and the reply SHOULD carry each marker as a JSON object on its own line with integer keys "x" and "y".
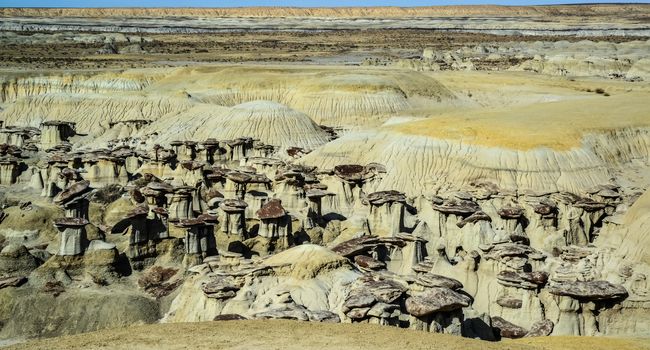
{"x": 325, "y": 178}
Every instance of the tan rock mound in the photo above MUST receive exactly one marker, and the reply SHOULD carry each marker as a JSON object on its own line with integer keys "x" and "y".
{"x": 306, "y": 261}
{"x": 270, "y": 122}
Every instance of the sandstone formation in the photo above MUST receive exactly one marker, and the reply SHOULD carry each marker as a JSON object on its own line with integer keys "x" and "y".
{"x": 488, "y": 191}
{"x": 592, "y": 19}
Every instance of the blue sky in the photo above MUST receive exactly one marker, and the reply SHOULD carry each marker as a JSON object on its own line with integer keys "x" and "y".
{"x": 301, "y": 3}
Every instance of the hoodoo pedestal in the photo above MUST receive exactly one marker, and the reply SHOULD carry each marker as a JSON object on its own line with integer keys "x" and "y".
{"x": 234, "y": 218}
{"x": 72, "y": 235}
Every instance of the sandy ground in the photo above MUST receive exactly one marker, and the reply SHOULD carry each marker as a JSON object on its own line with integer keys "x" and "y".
{"x": 329, "y": 47}
{"x": 303, "y": 335}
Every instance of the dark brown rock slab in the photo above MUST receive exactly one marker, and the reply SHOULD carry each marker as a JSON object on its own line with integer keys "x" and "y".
{"x": 506, "y": 329}
{"x": 233, "y": 205}
{"x": 509, "y": 302}
{"x": 457, "y": 207}
{"x": 510, "y": 212}
{"x": 358, "y": 300}
{"x": 436, "y": 299}
{"x": 230, "y": 317}
{"x": 352, "y": 172}
{"x": 369, "y": 263}
{"x": 431, "y": 280}
{"x": 474, "y": 218}
{"x": 271, "y": 210}
{"x": 525, "y": 280}
{"x": 355, "y": 246}
{"x": 383, "y": 197}
{"x": 70, "y": 222}
{"x": 72, "y": 192}
{"x": 385, "y": 290}
{"x": 589, "y": 290}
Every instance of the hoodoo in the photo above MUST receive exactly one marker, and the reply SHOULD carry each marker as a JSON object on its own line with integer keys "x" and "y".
{"x": 475, "y": 171}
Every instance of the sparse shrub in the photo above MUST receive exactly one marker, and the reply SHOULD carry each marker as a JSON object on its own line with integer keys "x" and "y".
{"x": 600, "y": 91}
{"x": 107, "y": 195}
{"x": 54, "y": 287}
{"x": 155, "y": 281}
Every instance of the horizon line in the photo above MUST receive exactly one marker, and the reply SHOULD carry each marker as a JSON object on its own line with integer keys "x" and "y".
{"x": 324, "y": 7}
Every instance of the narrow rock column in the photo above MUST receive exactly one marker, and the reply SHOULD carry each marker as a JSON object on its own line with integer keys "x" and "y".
{"x": 386, "y": 212}
{"x": 237, "y": 182}
{"x": 199, "y": 239}
{"x": 185, "y": 150}
{"x": 234, "y": 221}
{"x": 106, "y": 170}
{"x": 158, "y": 223}
{"x": 238, "y": 149}
{"x": 74, "y": 200}
{"x": 315, "y": 207}
{"x": 192, "y": 234}
{"x": 180, "y": 204}
{"x": 207, "y": 239}
{"x": 139, "y": 231}
{"x": 352, "y": 178}
{"x": 275, "y": 223}
{"x": 405, "y": 258}
{"x": 53, "y": 182}
{"x": 13, "y": 136}
{"x": 56, "y": 132}
{"x": 155, "y": 193}
{"x": 72, "y": 235}
{"x": 8, "y": 171}
{"x": 188, "y": 173}
{"x": 210, "y": 147}
{"x": 261, "y": 149}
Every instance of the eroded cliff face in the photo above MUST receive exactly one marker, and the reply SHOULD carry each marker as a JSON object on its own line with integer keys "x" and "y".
{"x": 15, "y": 86}
{"x": 329, "y": 97}
{"x": 428, "y": 165}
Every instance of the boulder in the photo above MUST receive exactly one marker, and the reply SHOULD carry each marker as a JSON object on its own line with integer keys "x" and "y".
{"x": 509, "y": 302}
{"x": 359, "y": 300}
{"x": 589, "y": 290}
{"x": 12, "y": 282}
{"x": 437, "y": 299}
{"x": 355, "y": 246}
{"x": 505, "y": 329}
{"x": 271, "y": 210}
{"x": 369, "y": 263}
{"x": 431, "y": 280}
{"x": 288, "y": 313}
{"x": 385, "y": 290}
{"x": 525, "y": 280}
{"x": 229, "y": 317}
{"x": 541, "y": 328}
